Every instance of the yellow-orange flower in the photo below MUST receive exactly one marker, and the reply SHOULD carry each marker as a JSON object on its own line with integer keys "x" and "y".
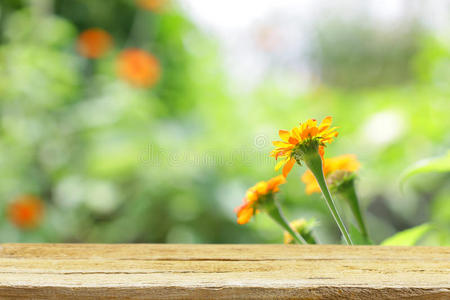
{"x": 296, "y": 225}
{"x": 254, "y": 195}
{"x": 94, "y": 42}
{"x": 304, "y": 134}
{"x": 347, "y": 162}
{"x": 138, "y": 67}
{"x": 26, "y": 211}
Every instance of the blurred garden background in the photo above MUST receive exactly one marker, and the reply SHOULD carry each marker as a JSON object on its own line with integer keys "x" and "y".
{"x": 146, "y": 121}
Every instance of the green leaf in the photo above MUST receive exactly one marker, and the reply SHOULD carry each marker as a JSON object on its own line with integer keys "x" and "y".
{"x": 408, "y": 237}
{"x": 357, "y": 237}
{"x": 436, "y": 164}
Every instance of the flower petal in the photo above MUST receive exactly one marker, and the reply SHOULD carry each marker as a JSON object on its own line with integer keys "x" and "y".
{"x": 281, "y": 144}
{"x": 288, "y": 167}
{"x": 244, "y": 215}
{"x": 293, "y": 141}
{"x": 326, "y": 122}
{"x": 281, "y": 163}
{"x": 321, "y": 151}
{"x": 284, "y": 135}
{"x": 311, "y": 183}
{"x": 275, "y": 182}
{"x": 261, "y": 188}
{"x": 295, "y": 133}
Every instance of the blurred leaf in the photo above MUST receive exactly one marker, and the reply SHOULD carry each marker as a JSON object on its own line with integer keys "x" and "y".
{"x": 437, "y": 164}
{"x": 357, "y": 237}
{"x": 408, "y": 237}
{"x": 440, "y": 208}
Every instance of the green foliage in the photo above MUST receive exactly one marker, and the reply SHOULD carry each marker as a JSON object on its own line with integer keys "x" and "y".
{"x": 408, "y": 237}
{"x": 357, "y": 237}
{"x": 116, "y": 163}
{"x": 436, "y": 164}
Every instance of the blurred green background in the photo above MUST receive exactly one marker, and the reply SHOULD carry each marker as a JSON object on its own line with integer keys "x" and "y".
{"x": 168, "y": 163}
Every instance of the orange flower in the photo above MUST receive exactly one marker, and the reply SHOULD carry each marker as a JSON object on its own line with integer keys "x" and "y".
{"x": 347, "y": 162}
{"x": 94, "y": 42}
{"x": 256, "y": 194}
{"x": 26, "y": 211}
{"x": 138, "y": 67}
{"x": 152, "y": 5}
{"x": 308, "y": 133}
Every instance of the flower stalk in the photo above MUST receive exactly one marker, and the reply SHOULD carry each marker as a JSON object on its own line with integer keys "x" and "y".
{"x": 313, "y": 161}
{"x": 304, "y": 228}
{"x": 272, "y": 208}
{"x": 346, "y": 190}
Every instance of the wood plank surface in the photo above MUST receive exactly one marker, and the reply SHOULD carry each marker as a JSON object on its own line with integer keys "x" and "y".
{"x": 170, "y": 271}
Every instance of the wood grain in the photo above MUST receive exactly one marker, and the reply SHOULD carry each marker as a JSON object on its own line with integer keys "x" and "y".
{"x": 161, "y": 271}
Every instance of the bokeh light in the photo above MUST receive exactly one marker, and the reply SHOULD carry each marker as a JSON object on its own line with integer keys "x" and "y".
{"x": 153, "y": 5}
{"x": 138, "y": 67}
{"x": 26, "y": 212}
{"x": 94, "y": 43}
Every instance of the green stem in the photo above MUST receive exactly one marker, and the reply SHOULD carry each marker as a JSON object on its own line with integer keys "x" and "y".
{"x": 314, "y": 163}
{"x": 309, "y": 238}
{"x": 274, "y": 211}
{"x": 349, "y": 194}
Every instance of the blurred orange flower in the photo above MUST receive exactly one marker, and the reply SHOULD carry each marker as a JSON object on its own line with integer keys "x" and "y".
{"x": 256, "y": 194}
{"x": 347, "y": 162}
{"x": 304, "y": 134}
{"x": 152, "y": 5}
{"x": 297, "y": 225}
{"x": 26, "y": 211}
{"x": 138, "y": 67}
{"x": 94, "y": 42}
